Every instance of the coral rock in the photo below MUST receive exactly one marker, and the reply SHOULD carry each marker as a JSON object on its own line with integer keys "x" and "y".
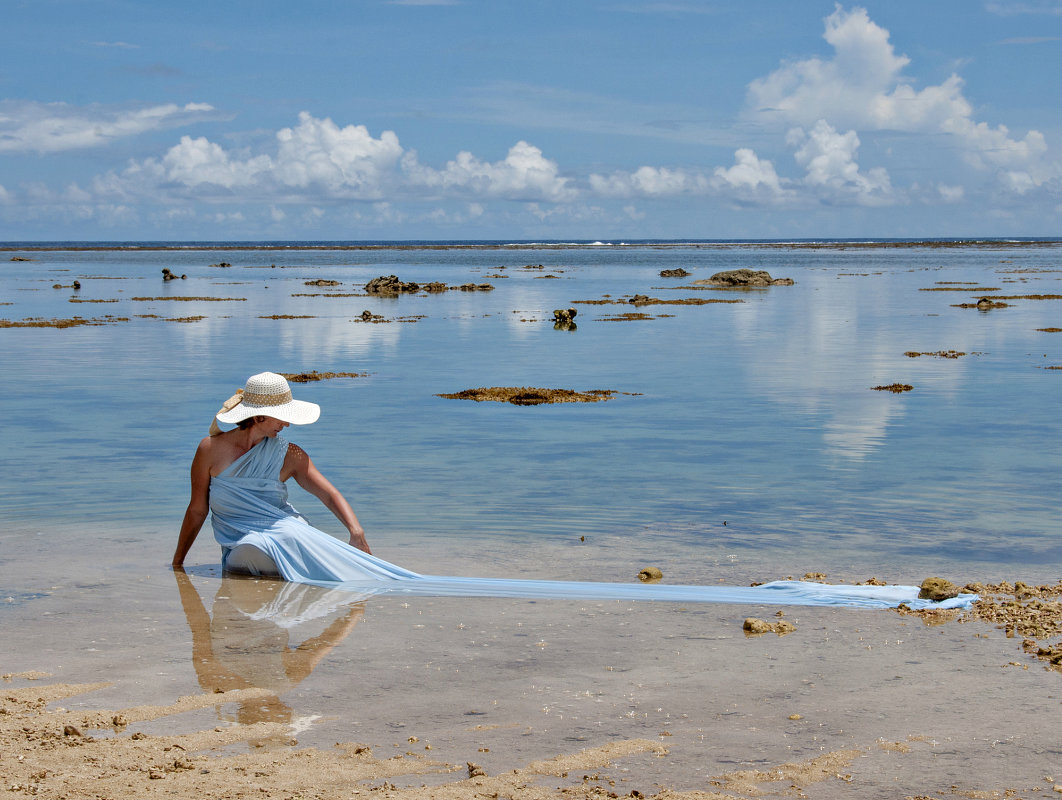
{"x": 937, "y": 589}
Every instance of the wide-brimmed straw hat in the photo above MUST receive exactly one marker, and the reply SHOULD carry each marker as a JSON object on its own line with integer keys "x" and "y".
{"x": 267, "y": 394}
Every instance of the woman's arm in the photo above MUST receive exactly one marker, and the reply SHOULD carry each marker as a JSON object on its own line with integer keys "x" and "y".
{"x": 198, "y": 504}
{"x": 298, "y": 464}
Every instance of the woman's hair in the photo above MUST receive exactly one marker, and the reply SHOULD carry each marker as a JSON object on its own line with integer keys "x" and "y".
{"x": 244, "y": 424}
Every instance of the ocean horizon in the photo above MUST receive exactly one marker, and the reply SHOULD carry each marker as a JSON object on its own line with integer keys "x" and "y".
{"x": 44, "y": 245}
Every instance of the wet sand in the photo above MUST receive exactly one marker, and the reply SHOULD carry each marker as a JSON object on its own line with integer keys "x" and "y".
{"x": 194, "y": 692}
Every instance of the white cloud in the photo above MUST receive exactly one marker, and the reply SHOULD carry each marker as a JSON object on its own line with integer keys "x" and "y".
{"x": 750, "y": 178}
{"x": 577, "y": 213}
{"x": 56, "y": 127}
{"x": 847, "y": 89}
{"x": 829, "y": 158}
{"x": 198, "y": 161}
{"x": 5, "y": 195}
{"x": 524, "y": 174}
{"x": 75, "y": 194}
{"x": 317, "y": 160}
{"x": 862, "y": 87}
{"x": 318, "y": 153}
{"x": 951, "y": 194}
{"x": 650, "y": 182}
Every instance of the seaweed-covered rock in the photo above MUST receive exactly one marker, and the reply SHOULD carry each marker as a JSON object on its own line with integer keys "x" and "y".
{"x": 650, "y": 575}
{"x": 678, "y": 272}
{"x": 746, "y": 277}
{"x": 529, "y": 395}
{"x": 753, "y": 626}
{"x": 390, "y": 285}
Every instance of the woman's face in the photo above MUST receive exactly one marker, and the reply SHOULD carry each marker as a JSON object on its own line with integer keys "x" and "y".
{"x": 270, "y": 426}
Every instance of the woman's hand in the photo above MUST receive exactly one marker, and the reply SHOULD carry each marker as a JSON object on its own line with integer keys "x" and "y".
{"x": 358, "y": 540}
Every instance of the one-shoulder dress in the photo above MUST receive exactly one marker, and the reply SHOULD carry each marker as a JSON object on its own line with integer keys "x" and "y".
{"x": 249, "y": 506}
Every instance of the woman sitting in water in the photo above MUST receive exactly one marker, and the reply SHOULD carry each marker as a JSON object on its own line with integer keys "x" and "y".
{"x": 239, "y": 476}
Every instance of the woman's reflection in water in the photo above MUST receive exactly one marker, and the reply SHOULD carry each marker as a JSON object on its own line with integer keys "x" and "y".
{"x": 246, "y": 641}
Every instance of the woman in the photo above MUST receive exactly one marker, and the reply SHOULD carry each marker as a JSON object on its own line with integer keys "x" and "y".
{"x": 238, "y": 476}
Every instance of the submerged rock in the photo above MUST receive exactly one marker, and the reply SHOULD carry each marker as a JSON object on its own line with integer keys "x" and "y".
{"x": 307, "y": 377}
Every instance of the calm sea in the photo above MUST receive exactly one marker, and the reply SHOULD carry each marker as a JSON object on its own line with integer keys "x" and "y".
{"x": 744, "y": 441}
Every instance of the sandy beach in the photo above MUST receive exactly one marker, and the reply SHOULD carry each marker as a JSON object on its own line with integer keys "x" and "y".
{"x": 491, "y": 698}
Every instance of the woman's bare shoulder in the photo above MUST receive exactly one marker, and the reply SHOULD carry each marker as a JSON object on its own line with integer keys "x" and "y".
{"x": 295, "y": 461}
{"x": 216, "y": 453}
{"x": 212, "y": 446}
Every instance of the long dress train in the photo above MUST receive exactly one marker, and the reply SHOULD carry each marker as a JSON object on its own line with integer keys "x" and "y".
{"x": 249, "y": 506}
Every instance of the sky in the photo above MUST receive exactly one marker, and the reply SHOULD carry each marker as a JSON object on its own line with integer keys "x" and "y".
{"x": 496, "y": 119}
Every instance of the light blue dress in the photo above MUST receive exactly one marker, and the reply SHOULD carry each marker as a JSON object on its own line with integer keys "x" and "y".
{"x": 249, "y": 506}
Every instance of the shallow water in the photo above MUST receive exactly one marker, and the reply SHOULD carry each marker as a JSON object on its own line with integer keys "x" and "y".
{"x": 758, "y": 413}
{"x": 745, "y": 444}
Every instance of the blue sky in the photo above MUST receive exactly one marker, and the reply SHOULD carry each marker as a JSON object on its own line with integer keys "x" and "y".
{"x": 462, "y": 119}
